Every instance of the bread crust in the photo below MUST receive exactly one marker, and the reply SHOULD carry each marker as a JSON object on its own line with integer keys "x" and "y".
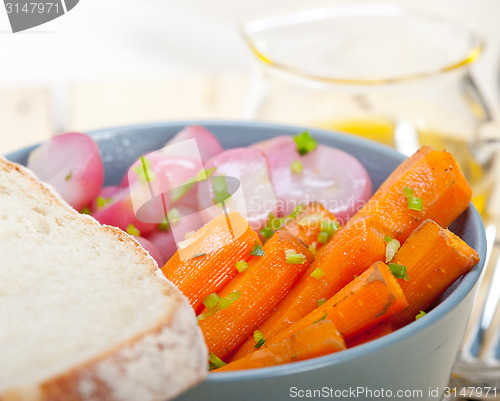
{"x": 155, "y": 365}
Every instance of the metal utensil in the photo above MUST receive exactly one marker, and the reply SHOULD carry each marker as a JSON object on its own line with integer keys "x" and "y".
{"x": 476, "y": 374}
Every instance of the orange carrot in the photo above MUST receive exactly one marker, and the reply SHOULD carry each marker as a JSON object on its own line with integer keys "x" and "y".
{"x": 435, "y": 178}
{"x": 261, "y": 287}
{"x": 435, "y": 258}
{"x": 315, "y": 340}
{"x": 375, "y": 332}
{"x": 348, "y": 254}
{"x": 206, "y": 262}
{"x": 308, "y": 224}
{"x": 363, "y": 303}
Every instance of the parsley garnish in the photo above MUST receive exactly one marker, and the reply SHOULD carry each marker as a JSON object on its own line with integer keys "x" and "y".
{"x": 414, "y": 203}
{"x": 132, "y": 230}
{"x": 219, "y": 186}
{"x": 321, "y": 318}
{"x": 102, "y": 202}
{"x": 257, "y": 250}
{"x": 144, "y": 172}
{"x": 399, "y": 271}
{"x": 305, "y": 143}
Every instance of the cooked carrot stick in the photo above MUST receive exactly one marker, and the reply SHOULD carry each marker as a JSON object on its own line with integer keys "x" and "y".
{"x": 348, "y": 254}
{"x": 434, "y": 258}
{"x": 321, "y": 338}
{"x": 309, "y": 223}
{"x": 363, "y": 303}
{"x": 206, "y": 262}
{"x": 375, "y": 332}
{"x": 429, "y": 175}
{"x": 261, "y": 287}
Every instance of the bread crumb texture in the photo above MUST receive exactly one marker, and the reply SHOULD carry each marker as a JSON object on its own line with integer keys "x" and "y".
{"x": 84, "y": 312}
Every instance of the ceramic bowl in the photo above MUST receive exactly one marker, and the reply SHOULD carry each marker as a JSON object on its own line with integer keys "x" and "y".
{"x": 414, "y": 362}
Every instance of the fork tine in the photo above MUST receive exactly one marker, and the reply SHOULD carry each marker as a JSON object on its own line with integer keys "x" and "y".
{"x": 491, "y": 299}
{"x": 472, "y": 344}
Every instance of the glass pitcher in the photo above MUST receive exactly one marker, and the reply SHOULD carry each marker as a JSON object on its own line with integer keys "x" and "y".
{"x": 390, "y": 73}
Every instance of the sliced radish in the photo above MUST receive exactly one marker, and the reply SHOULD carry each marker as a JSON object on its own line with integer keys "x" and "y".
{"x": 175, "y": 173}
{"x": 166, "y": 241}
{"x": 104, "y": 198}
{"x": 120, "y": 213}
{"x": 327, "y": 175}
{"x": 208, "y": 144}
{"x": 71, "y": 163}
{"x": 152, "y": 249}
{"x": 256, "y": 198}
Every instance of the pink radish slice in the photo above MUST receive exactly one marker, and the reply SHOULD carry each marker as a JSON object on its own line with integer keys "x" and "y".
{"x": 175, "y": 171}
{"x": 151, "y": 248}
{"x": 120, "y": 213}
{"x": 250, "y": 167}
{"x": 71, "y": 163}
{"x": 208, "y": 144}
{"x": 105, "y": 196}
{"x": 330, "y": 176}
{"x": 166, "y": 241}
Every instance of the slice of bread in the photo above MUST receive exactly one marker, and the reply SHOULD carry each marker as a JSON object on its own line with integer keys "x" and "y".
{"x": 85, "y": 313}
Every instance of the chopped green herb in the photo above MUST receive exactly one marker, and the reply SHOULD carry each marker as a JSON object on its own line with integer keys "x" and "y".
{"x": 414, "y": 203}
{"x": 329, "y": 226}
{"x": 273, "y": 222}
{"x": 144, "y": 172}
{"x": 321, "y": 318}
{"x": 211, "y": 300}
{"x": 173, "y": 217}
{"x": 314, "y": 220}
{"x": 267, "y": 232}
{"x": 241, "y": 266}
{"x": 391, "y": 249}
{"x": 407, "y": 192}
{"x": 70, "y": 174}
{"x": 321, "y": 301}
{"x": 222, "y": 303}
{"x": 132, "y": 230}
{"x": 322, "y": 237}
{"x": 216, "y": 361}
{"x": 387, "y": 238}
{"x": 102, "y": 202}
{"x": 259, "y": 338}
{"x": 197, "y": 255}
{"x": 305, "y": 143}
{"x": 296, "y": 167}
{"x": 86, "y": 210}
{"x": 317, "y": 273}
{"x": 164, "y": 225}
{"x": 312, "y": 247}
{"x": 257, "y": 250}
{"x": 399, "y": 271}
{"x": 178, "y": 192}
{"x": 296, "y": 210}
{"x": 295, "y": 258}
{"x": 219, "y": 186}
{"x": 422, "y": 313}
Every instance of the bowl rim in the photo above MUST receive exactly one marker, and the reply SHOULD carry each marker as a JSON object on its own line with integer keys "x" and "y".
{"x": 466, "y": 284}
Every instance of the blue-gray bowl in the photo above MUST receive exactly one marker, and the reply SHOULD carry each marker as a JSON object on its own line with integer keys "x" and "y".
{"x": 414, "y": 362}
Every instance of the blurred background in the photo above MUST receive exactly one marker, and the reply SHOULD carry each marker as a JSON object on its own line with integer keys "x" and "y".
{"x": 117, "y": 62}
